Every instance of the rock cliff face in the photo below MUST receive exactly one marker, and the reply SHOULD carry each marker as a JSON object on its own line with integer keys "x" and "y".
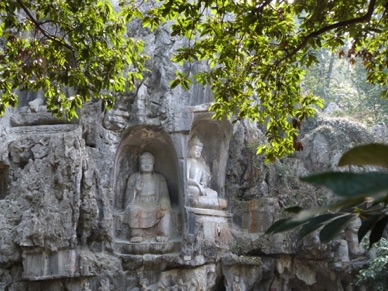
{"x": 64, "y": 186}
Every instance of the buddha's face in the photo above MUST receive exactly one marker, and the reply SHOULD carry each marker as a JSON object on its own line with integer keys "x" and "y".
{"x": 195, "y": 151}
{"x": 146, "y": 165}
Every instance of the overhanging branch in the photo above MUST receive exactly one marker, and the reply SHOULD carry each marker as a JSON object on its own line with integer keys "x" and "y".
{"x": 366, "y": 17}
{"x": 39, "y": 27}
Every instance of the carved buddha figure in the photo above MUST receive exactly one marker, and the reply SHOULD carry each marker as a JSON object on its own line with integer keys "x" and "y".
{"x": 148, "y": 206}
{"x": 198, "y": 176}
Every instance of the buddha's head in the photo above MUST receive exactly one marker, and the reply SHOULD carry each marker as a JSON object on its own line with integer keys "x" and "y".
{"x": 195, "y": 147}
{"x": 146, "y": 161}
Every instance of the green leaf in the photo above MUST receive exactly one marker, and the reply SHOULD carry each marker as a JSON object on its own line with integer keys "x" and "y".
{"x": 345, "y": 205}
{"x": 370, "y": 154}
{"x": 290, "y": 223}
{"x": 377, "y": 231}
{"x": 367, "y": 225}
{"x": 284, "y": 225}
{"x": 351, "y": 185}
{"x": 331, "y": 230}
{"x": 293, "y": 209}
{"x": 316, "y": 223}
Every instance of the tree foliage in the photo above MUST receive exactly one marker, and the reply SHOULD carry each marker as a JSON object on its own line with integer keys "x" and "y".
{"x": 50, "y": 45}
{"x": 257, "y": 52}
{"x": 363, "y": 195}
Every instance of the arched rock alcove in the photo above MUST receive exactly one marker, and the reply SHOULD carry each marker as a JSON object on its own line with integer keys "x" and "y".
{"x": 215, "y": 136}
{"x": 148, "y": 139}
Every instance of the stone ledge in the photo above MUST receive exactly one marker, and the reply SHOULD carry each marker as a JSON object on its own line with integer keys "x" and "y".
{"x": 125, "y": 247}
{"x": 40, "y": 118}
{"x": 209, "y": 212}
{"x": 44, "y": 129}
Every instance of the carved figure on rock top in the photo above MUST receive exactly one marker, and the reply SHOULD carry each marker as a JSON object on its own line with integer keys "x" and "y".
{"x": 198, "y": 176}
{"x": 148, "y": 205}
{"x": 36, "y": 104}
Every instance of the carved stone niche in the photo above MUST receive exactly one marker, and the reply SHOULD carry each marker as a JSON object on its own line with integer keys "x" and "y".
{"x": 147, "y": 204}
{"x": 215, "y": 136}
{"x": 206, "y": 208}
{"x": 3, "y": 180}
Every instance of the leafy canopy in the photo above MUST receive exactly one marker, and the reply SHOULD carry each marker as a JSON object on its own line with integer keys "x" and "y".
{"x": 256, "y": 52}
{"x": 50, "y": 45}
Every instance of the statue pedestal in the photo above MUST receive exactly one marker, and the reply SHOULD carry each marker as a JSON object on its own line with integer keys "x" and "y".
{"x": 147, "y": 247}
{"x": 123, "y": 245}
{"x": 210, "y": 227}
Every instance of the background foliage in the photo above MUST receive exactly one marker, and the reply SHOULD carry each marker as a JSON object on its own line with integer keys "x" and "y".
{"x": 343, "y": 81}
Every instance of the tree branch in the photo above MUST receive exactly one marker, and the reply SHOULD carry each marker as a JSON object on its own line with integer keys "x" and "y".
{"x": 39, "y": 27}
{"x": 364, "y": 18}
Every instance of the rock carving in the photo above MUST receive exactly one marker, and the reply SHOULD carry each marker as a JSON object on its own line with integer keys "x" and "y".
{"x": 104, "y": 285}
{"x": 198, "y": 176}
{"x": 36, "y": 104}
{"x": 148, "y": 205}
{"x": 352, "y": 238}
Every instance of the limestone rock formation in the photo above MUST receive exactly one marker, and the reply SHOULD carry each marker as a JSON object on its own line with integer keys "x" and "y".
{"x": 62, "y": 196}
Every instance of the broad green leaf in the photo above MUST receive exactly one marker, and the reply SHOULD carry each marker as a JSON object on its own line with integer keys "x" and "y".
{"x": 331, "y": 230}
{"x": 367, "y": 225}
{"x": 351, "y": 185}
{"x": 293, "y": 209}
{"x": 347, "y": 204}
{"x": 284, "y": 225}
{"x": 370, "y": 154}
{"x": 316, "y": 223}
{"x": 377, "y": 231}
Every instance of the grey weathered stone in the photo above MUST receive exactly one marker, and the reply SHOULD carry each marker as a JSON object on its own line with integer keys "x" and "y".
{"x": 62, "y": 195}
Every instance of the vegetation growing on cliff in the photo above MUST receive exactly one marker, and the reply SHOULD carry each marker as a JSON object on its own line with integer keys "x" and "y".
{"x": 257, "y": 52}
{"x": 53, "y": 44}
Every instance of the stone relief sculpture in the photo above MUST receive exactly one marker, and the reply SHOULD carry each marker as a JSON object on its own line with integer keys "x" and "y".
{"x": 198, "y": 177}
{"x": 86, "y": 287}
{"x": 147, "y": 203}
{"x": 351, "y": 236}
{"x": 37, "y": 104}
